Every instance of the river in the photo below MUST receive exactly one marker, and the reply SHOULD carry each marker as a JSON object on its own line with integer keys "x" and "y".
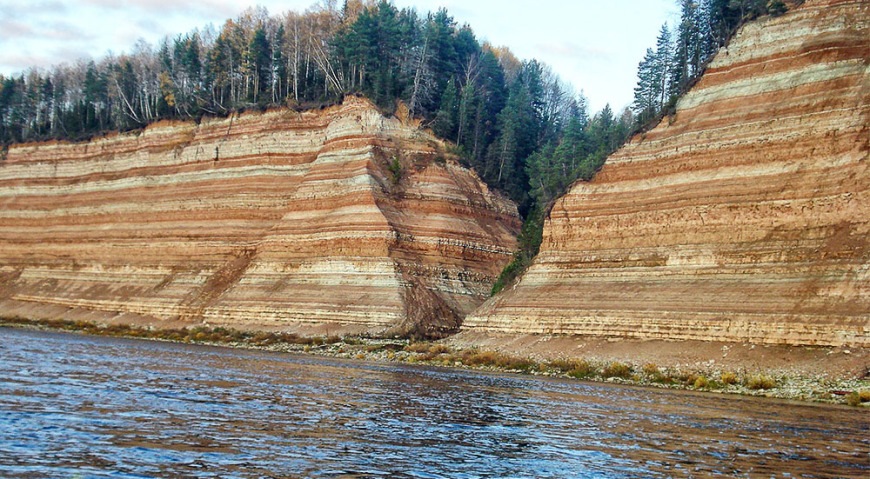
{"x": 79, "y": 407}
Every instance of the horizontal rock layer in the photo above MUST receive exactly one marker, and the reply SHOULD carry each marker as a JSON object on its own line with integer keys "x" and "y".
{"x": 252, "y": 221}
{"x": 745, "y": 216}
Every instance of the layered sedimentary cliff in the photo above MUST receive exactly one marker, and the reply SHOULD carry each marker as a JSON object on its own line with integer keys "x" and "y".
{"x": 743, "y": 217}
{"x": 258, "y": 220}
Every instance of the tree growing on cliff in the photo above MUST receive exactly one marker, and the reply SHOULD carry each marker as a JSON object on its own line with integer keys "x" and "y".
{"x": 680, "y": 57}
{"x": 654, "y": 73}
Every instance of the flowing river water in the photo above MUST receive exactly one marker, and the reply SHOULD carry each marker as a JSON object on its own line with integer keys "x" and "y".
{"x": 78, "y": 407}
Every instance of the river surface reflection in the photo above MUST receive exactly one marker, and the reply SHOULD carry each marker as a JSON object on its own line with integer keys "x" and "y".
{"x": 77, "y": 406}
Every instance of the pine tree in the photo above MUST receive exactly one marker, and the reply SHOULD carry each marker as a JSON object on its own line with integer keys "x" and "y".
{"x": 445, "y": 120}
{"x": 645, "y": 93}
{"x": 518, "y": 129}
{"x": 662, "y": 66}
{"x": 722, "y": 19}
{"x": 540, "y": 169}
{"x": 95, "y": 95}
{"x": 260, "y": 60}
{"x": 7, "y": 105}
{"x": 573, "y": 148}
{"x": 386, "y": 64}
{"x": 466, "y": 113}
{"x": 443, "y": 60}
{"x": 531, "y": 77}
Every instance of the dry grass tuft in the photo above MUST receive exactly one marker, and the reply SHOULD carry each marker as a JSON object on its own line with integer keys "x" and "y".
{"x": 616, "y": 370}
{"x": 728, "y": 378}
{"x": 756, "y": 383}
{"x": 651, "y": 370}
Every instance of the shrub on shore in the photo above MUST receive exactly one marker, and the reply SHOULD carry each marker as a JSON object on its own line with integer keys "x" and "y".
{"x": 856, "y": 398}
{"x": 583, "y": 369}
{"x": 495, "y": 359}
{"x": 562, "y": 365}
{"x": 427, "y": 348}
{"x": 756, "y": 383}
{"x": 728, "y": 378}
{"x": 616, "y": 370}
{"x": 651, "y": 370}
{"x": 575, "y": 368}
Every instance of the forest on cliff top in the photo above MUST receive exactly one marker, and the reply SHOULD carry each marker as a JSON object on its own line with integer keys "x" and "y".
{"x": 515, "y": 122}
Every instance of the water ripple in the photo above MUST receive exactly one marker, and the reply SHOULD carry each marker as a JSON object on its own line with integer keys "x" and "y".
{"x": 75, "y": 406}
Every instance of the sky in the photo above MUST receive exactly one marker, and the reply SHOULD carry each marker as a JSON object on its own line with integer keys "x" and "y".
{"x": 595, "y": 45}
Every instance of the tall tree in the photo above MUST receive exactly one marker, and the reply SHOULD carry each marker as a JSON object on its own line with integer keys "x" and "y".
{"x": 645, "y": 92}
{"x": 278, "y": 69}
{"x": 662, "y": 65}
{"x": 444, "y": 124}
{"x": 260, "y": 65}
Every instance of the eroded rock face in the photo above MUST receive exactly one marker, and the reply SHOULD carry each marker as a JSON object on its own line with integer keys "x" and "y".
{"x": 743, "y": 217}
{"x": 259, "y": 220}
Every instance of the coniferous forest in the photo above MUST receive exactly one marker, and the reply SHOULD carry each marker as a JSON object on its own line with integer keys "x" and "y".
{"x": 525, "y": 132}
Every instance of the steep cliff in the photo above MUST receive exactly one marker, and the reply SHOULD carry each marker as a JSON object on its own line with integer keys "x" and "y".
{"x": 339, "y": 216}
{"x": 745, "y": 216}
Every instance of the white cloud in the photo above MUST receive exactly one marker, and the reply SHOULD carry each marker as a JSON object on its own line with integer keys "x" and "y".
{"x": 573, "y": 51}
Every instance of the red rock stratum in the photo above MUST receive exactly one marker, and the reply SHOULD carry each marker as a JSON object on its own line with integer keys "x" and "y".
{"x": 255, "y": 221}
{"x": 745, "y": 216}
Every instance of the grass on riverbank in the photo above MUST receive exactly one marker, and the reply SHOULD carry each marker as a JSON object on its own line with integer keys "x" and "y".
{"x": 854, "y": 393}
{"x": 199, "y": 334}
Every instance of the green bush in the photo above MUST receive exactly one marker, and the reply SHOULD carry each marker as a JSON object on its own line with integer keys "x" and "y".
{"x": 528, "y": 245}
{"x": 396, "y": 170}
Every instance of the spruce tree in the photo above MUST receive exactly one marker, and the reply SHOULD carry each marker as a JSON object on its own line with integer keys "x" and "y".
{"x": 662, "y": 66}
{"x": 645, "y": 93}
{"x": 445, "y": 120}
{"x": 260, "y": 61}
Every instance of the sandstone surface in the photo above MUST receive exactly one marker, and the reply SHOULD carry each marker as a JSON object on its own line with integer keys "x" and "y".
{"x": 261, "y": 220}
{"x": 745, "y": 216}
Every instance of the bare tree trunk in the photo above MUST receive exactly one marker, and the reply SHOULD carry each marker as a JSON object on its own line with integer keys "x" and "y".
{"x": 331, "y": 77}
{"x": 131, "y": 112}
{"x": 418, "y": 78}
{"x": 296, "y": 47}
{"x": 503, "y": 156}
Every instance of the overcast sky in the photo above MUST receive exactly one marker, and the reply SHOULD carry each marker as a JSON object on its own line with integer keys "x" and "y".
{"x": 593, "y": 44}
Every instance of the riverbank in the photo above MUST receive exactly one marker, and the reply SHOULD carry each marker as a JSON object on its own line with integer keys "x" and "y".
{"x": 829, "y": 375}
